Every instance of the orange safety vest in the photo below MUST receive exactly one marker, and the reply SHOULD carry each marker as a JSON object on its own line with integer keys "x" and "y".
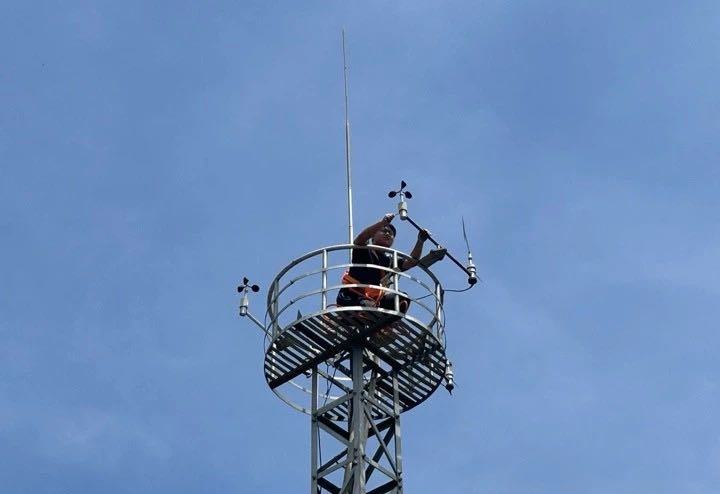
{"x": 372, "y": 293}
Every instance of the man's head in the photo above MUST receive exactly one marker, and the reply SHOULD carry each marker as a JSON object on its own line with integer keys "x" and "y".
{"x": 385, "y": 236}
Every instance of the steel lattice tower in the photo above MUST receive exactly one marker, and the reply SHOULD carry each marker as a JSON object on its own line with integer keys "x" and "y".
{"x": 353, "y": 370}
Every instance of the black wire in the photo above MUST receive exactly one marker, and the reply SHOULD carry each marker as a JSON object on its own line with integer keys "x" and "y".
{"x": 327, "y": 394}
{"x": 330, "y": 384}
{"x": 459, "y": 291}
{"x": 424, "y": 296}
{"x": 448, "y": 290}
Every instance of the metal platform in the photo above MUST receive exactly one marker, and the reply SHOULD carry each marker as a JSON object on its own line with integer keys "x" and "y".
{"x": 393, "y": 344}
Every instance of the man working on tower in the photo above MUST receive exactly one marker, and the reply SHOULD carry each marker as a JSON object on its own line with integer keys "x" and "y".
{"x": 381, "y": 234}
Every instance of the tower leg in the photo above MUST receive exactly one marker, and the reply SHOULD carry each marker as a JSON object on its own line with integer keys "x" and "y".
{"x": 370, "y": 457}
{"x": 396, "y": 425}
{"x": 358, "y": 426}
{"x": 314, "y": 433}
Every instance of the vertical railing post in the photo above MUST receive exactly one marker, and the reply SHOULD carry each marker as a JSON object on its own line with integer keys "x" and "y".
{"x": 275, "y": 307}
{"x": 438, "y": 308}
{"x": 396, "y": 281}
{"x": 324, "y": 278}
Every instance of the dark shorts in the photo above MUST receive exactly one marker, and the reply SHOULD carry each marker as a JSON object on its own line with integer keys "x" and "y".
{"x": 348, "y": 297}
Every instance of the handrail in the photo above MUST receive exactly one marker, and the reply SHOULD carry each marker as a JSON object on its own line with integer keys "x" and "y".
{"x": 333, "y": 248}
{"x": 341, "y": 247}
{"x": 351, "y": 265}
{"x": 278, "y": 287}
{"x": 293, "y": 301}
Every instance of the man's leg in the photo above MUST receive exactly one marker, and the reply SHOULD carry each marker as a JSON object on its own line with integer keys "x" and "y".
{"x": 388, "y": 302}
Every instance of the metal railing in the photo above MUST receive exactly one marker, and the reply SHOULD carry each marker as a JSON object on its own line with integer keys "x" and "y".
{"x": 426, "y": 299}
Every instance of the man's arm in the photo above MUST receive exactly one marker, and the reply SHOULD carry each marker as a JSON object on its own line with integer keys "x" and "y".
{"x": 365, "y": 235}
{"x": 416, "y": 251}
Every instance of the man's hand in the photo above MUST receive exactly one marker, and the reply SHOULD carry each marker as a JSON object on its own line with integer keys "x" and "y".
{"x": 365, "y": 235}
{"x": 423, "y": 235}
{"x": 433, "y": 256}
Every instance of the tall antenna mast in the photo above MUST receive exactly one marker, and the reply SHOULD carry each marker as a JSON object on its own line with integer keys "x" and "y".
{"x": 347, "y": 146}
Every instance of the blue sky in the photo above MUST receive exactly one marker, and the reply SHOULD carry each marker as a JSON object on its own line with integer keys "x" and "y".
{"x": 152, "y": 154}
